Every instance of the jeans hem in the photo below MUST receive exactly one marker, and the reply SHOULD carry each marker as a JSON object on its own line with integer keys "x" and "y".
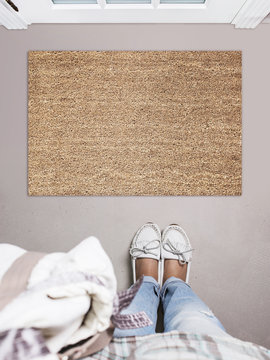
{"x": 172, "y": 279}
{"x": 150, "y": 279}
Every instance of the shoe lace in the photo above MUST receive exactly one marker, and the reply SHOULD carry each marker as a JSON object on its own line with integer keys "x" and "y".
{"x": 146, "y": 249}
{"x": 168, "y": 246}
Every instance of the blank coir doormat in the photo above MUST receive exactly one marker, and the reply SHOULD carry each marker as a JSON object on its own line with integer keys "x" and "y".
{"x": 134, "y": 123}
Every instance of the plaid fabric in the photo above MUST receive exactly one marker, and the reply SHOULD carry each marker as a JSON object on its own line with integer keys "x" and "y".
{"x": 123, "y": 300}
{"x": 175, "y": 345}
{"x": 19, "y": 344}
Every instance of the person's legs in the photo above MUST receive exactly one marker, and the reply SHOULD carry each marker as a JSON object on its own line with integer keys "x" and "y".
{"x": 183, "y": 309}
{"x": 147, "y": 300}
{"x": 145, "y": 256}
{"x": 186, "y": 312}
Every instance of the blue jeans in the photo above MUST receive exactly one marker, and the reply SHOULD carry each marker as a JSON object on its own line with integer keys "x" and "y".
{"x": 183, "y": 309}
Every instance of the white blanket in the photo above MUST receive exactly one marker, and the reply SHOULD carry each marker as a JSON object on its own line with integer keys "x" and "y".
{"x": 69, "y": 295}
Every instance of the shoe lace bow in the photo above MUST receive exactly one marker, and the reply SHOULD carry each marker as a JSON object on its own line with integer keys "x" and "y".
{"x": 168, "y": 246}
{"x": 136, "y": 251}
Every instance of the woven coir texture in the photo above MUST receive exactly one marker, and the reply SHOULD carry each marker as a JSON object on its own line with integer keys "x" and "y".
{"x": 134, "y": 123}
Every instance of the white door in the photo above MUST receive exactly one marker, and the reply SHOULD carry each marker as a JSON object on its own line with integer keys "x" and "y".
{"x": 129, "y": 11}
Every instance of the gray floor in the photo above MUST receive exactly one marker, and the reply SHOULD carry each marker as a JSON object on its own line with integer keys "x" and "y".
{"x": 231, "y": 269}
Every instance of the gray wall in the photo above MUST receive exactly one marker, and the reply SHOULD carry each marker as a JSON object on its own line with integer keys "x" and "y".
{"x": 230, "y": 234}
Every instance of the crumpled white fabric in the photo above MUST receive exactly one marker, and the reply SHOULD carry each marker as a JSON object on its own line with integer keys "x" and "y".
{"x": 65, "y": 311}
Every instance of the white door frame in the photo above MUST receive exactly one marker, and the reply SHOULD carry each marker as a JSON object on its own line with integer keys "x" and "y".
{"x": 242, "y": 13}
{"x": 10, "y": 18}
{"x": 251, "y": 14}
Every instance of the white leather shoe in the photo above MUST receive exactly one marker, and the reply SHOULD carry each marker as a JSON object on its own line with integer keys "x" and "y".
{"x": 175, "y": 244}
{"x": 146, "y": 244}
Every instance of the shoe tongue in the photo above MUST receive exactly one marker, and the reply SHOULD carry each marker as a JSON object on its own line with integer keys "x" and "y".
{"x": 179, "y": 245}
{"x": 177, "y": 240}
